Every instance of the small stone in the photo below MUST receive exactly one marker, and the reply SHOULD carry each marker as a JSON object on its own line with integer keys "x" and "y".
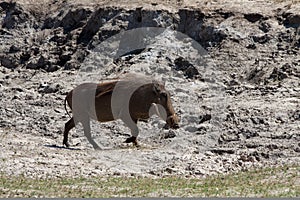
{"x": 191, "y": 129}
{"x": 14, "y": 49}
{"x": 46, "y": 88}
{"x": 204, "y": 118}
{"x": 169, "y": 134}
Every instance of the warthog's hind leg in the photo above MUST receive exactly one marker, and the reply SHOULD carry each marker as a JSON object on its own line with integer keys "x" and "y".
{"x": 87, "y": 133}
{"x": 68, "y": 126}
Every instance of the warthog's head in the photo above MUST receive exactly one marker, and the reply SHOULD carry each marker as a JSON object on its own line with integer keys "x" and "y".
{"x": 165, "y": 110}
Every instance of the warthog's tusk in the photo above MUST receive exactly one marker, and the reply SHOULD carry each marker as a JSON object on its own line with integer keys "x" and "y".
{"x": 157, "y": 111}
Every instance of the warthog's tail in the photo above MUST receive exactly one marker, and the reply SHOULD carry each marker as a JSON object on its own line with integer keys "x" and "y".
{"x": 65, "y": 104}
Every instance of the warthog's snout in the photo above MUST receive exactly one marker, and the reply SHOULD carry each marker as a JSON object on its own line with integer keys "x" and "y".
{"x": 175, "y": 126}
{"x": 173, "y": 121}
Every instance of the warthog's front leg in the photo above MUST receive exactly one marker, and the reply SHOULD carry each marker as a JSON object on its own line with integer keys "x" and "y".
{"x": 133, "y": 140}
{"x": 68, "y": 126}
{"x": 134, "y": 131}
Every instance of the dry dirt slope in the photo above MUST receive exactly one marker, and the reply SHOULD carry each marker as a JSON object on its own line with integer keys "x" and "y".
{"x": 255, "y": 52}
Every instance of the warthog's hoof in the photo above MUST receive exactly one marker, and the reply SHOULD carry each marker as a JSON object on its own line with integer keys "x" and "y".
{"x": 96, "y": 147}
{"x": 132, "y": 139}
{"x": 66, "y": 144}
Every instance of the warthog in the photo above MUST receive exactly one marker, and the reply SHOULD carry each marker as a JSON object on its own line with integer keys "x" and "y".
{"x": 131, "y": 98}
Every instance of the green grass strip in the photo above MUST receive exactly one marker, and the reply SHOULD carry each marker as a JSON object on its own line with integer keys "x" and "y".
{"x": 268, "y": 182}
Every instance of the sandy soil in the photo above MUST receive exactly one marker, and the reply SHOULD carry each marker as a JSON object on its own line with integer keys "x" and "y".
{"x": 248, "y": 86}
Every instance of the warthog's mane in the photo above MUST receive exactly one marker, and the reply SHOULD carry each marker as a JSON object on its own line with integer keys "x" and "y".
{"x": 130, "y": 80}
{"x": 137, "y": 78}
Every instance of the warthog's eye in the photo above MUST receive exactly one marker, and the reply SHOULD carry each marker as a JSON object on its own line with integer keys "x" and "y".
{"x": 164, "y": 94}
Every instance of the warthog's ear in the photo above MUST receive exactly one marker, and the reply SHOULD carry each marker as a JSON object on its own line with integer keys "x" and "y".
{"x": 156, "y": 88}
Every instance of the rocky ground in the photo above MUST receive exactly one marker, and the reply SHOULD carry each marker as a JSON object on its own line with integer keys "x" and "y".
{"x": 231, "y": 67}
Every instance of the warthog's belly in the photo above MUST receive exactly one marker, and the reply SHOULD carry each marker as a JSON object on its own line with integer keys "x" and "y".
{"x": 103, "y": 108}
